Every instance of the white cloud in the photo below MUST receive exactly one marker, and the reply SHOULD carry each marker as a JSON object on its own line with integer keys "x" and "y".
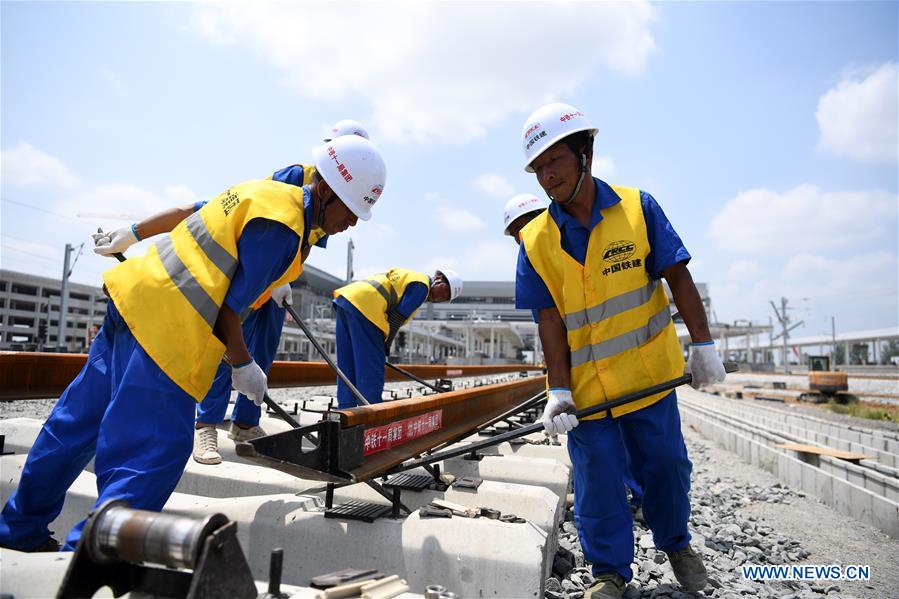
{"x": 437, "y": 71}
{"x": 432, "y": 196}
{"x": 180, "y": 193}
{"x": 492, "y": 184}
{"x": 743, "y": 271}
{"x": 871, "y": 274}
{"x": 857, "y": 118}
{"x": 459, "y": 221}
{"x": 603, "y": 167}
{"x": 26, "y": 165}
{"x": 803, "y": 219}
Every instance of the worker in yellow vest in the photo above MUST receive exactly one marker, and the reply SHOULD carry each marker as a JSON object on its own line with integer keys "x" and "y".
{"x": 262, "y": 326}
{"x": 591, "y": 266}
{"x": 173, "y": 314}
{"x": 369, "y": 314}
{"x": 518, "y": 212}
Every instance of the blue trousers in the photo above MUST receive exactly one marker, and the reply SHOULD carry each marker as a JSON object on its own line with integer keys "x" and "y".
{"x": 262, "y": 333}
{"x": 121, "y": 410}
{"x": 659, "y": 460}
{"x": 360, "y": 355}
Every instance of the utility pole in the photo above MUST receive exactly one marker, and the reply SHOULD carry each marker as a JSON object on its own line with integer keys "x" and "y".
{"x": 349, "y": 260}
{"x": 784, "y": 320}
{"x": 64, "y": 292}
{"x": 833, "y": 337}
{"x": 64, "y": 298}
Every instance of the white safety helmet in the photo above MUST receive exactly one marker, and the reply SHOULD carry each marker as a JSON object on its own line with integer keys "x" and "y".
{"x": 518, "y": 206}
{"x": 353, "y": 167}
{"x": 347, "y": 127}
{"x": 547, "y": 126}
{"x": 454, "y": 280}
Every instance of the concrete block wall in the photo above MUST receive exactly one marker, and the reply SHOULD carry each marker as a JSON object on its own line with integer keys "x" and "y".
{"x": 847, "y": 498}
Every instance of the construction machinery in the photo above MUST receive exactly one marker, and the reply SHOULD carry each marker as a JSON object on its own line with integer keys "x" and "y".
{"x": 825, "y": 384}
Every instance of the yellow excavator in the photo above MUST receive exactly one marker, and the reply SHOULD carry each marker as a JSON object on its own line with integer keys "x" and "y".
{"x": 825, "y": 384}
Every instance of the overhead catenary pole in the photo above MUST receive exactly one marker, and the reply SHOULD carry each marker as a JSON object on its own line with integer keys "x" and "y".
{"x": 833, "y": 337}
{"x": 349, "y": 260}
{"x": 64, "y": 298}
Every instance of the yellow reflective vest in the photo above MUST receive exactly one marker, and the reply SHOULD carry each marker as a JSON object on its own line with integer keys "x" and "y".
{"x": 377, "y": 297}
{"x": 314, "y": 235}
{"x": 171, "y": 296}
{"x": 620, "y": 333}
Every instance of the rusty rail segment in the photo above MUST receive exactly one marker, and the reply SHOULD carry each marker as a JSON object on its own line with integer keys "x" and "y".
{"x": 362, "y": 443}
{"x": 35, "y": 375}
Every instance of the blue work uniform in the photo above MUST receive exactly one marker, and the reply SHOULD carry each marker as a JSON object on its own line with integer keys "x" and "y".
{"x": 261, "y": 331}
{"x": 360, "y": 346}
{"x": 126, "y": 413}
{"x": 647, "y": 443}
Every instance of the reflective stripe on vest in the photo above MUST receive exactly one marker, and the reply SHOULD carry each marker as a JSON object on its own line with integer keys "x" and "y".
{"x": 189, "y": 287}
{"x": 389, "y": 297}
{"x": 611, "y": 307}
{"x": 629, "y": 340}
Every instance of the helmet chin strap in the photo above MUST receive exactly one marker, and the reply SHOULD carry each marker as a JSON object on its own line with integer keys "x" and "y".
{"x": 322, "y": 206}
{"x": 577, "y": 188}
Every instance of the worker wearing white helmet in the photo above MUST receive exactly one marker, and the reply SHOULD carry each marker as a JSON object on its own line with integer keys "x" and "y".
{"x": 346, "y": 127}
{"x": 369, "y": 314}
{"x": 519, "y": 211}
{"x": 173, "y": 315}
{"x": 591, "y": 266}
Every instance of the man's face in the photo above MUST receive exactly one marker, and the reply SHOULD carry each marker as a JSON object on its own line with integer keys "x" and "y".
{"x": 519, "y": 223}
{"x": 557, "y": 170}
{"x": 338, "y": 218}
{"x": 440, "y": 290}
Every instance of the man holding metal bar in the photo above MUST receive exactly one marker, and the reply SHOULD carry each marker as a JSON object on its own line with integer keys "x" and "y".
{"x": 173, "y": 315}
{"x": 590, "y": 266}
{"x": 370, "y": 312}
{"x": 262, "y": 323}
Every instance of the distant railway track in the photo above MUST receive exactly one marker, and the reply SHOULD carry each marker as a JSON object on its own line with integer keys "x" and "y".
{"x": 38, "y": 375}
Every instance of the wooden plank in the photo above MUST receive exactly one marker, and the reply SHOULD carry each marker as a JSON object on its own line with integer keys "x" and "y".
{"x": 851, "y": 456}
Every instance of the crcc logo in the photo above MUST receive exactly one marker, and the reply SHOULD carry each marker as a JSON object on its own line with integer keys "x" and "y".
{"x": 618, "y": 251}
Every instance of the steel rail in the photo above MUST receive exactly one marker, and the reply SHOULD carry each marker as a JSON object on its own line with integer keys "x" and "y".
{"x": 352, "y": 444}
{"x": 39, "y": 375}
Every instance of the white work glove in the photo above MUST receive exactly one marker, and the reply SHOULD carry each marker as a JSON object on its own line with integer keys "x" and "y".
{"x": 704, "y": 364}
{"x": 283, "y": 295}
{"x": 250, "y": 380}
{"x": 107, "y": 244}
{"x": 557, "y": 417}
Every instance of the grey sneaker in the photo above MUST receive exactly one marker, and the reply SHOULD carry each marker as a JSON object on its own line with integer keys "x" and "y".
{"x": 206, "y": 446}
{"x": 688, "y": 569}
{"x": 608, "y": 585}
{"x": 245, "y": 434}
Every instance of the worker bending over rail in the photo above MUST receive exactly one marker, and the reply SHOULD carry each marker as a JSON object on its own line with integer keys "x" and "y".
{"x": 173, "y": 315}
{"x": 369, "y": 314}
{"x": 262, "y": 323}
{"x": 591, "y": 266}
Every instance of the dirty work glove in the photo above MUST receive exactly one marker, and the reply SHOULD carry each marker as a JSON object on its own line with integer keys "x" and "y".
{"x": 283, "y": 295}
{"x": 107, "y": 244}
{"x": 704, "y": 364}
{"x": 556, "y": 417}
{"x": 250, "y": 380}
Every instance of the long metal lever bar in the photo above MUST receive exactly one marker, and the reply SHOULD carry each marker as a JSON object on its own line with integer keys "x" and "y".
{"x": 412, "y": 376}
{"x": 324, "y": 354}
{"x": 538, "y": 426}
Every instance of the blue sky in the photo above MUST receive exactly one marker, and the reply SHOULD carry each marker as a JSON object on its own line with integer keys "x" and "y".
{"x": 767, "y": 131}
